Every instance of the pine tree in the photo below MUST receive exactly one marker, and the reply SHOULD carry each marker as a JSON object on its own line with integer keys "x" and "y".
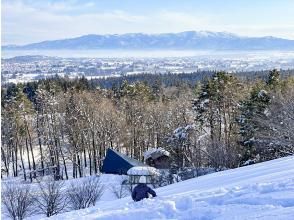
{"x": 253, "y": 110}
{"x": 256, "y": 104}
{"x": 216, "y": 110}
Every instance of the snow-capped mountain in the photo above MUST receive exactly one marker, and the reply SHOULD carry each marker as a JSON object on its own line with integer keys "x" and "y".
{"x": 189, "y": 40}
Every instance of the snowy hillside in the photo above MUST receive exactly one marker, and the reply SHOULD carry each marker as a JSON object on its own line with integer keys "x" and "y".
{"x": 261, "y": 191}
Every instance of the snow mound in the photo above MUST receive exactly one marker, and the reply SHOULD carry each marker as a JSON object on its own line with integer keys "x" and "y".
{"x": 143, "y": 171}
{"x": 260, "y": 191}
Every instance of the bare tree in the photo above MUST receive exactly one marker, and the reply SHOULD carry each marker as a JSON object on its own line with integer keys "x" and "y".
{"x": 17, "y": 201}
{"x": 85, "y": 192}
{"x": 121, "y": 190}
{"x": 51, "y": 200}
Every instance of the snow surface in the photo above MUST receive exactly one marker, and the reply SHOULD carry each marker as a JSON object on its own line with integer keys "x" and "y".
{"x": 260, "y": 191}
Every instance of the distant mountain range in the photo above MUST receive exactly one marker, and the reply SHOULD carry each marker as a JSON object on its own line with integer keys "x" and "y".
{"x": 189, "y": 40}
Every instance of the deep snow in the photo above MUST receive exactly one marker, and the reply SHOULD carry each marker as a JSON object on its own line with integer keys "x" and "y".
{"x": 260, "y": 191}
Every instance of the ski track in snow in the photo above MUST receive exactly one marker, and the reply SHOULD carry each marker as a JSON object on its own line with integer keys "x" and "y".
{"x": 262, "y": 191}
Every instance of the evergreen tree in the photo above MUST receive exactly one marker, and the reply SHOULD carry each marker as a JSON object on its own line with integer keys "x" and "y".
{"x": 216, "y": 110}
{"x": 256, "y": 104}
{"x": 253, "y": 110}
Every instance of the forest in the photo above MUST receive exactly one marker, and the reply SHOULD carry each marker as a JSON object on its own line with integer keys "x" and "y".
{"x": 206, "y": 119}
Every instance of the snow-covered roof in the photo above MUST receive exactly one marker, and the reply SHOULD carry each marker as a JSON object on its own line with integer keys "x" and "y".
{"x": 143, "y": 171}
{"x": 154, "y": 153}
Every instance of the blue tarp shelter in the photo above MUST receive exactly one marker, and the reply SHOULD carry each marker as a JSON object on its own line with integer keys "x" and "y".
{"x": 117, "y": 163}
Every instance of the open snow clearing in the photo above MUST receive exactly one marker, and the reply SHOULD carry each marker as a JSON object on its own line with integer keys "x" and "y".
{"x": 260, "y": 191}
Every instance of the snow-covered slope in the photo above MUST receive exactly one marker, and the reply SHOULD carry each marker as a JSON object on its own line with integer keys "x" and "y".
{"x": 261, "y": 191}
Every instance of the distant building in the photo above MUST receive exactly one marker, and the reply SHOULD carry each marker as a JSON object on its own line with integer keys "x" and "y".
{"x": 158, "y": 158}
{"x": 118, "y": 163}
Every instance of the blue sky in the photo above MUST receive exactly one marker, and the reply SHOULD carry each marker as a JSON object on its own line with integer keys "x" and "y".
{"x": 27, "y": 21}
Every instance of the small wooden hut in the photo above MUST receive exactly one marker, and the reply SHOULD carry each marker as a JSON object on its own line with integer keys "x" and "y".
{"x": 158, "y": 158}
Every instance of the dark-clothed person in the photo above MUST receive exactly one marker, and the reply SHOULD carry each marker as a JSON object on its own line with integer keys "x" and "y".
{"x": 142, "y": 191}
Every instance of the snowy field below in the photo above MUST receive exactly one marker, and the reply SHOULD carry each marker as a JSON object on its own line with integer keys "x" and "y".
{"x": 260, "y": 191}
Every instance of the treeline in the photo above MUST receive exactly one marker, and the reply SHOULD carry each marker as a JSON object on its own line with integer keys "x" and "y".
{"x": 170, "y": 79}
{"x": 214, "y": 119}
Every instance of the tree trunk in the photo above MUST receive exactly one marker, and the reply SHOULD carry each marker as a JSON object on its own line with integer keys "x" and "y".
{"x": 64, "y": 164}
{"x": 22, "y": 163}
{"x": 90, "y": 161}
{"x": 4, "y": 158}
{"x": 94, "y": 152}
{"x": 62, "y": 154}
{"x": 13, "y": 161}
{"x": 16, "y": 163}
{"x": 40, "y": 146}
{"x": 85, "y": 157}
{"x": 31, "y": 147}
{"x": 29, "y": 161}
{"x": 79, "y": 165}
{"x": 74, "y": 167}
{"x": 56, "y": 151}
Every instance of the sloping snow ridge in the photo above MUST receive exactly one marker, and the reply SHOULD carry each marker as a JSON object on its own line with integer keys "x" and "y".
{"x": 261, "y": 191}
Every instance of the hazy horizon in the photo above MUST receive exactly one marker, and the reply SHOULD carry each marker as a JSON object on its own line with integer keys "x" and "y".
{"x": 118, "y": 53}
